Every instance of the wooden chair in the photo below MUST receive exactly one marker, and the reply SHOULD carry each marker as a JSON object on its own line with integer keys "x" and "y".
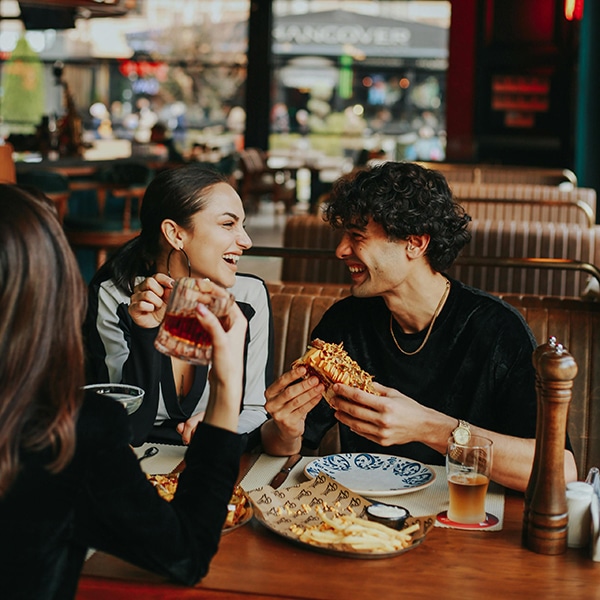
{"x": 119, "y": 191}
{"x": 7, "y": 164}
{"x": 105, "y": 234}
{"x": 53, "y": 185}
{"x": 116, "y": 194}
{"x": 259, "y": 180}
{"x": 101, "y": 242}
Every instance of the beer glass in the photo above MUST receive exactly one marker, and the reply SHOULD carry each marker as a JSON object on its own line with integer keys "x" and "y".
{"x": 180, "y": 334}
{"x": 468, "y": 468}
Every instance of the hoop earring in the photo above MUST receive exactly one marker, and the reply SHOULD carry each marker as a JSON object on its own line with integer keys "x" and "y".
{"x": 187, "y": 258}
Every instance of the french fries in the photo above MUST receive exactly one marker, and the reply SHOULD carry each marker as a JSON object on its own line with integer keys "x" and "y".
{"x": 237, "y": 509}
{"x": 165, "y": 485}
{"x": 349, "y": 532}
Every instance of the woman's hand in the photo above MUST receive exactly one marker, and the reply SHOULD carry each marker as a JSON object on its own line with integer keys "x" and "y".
{"x": 227, "y": 367}
{"x": 149, "y": 300}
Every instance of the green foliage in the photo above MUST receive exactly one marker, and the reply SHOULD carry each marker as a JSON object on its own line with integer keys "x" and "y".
{"x": 22, "y": 105}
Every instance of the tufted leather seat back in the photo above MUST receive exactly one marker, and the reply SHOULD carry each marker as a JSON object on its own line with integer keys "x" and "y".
{"x": 524, "y": 202}
{"x": 576, "y": 325}
{"x": 294, "y": 317}
{"x": 310, "y": 231}
{"x": 521, "y": 239}
{"x": 490, "y": 238}
{"x": 488, "y": 173}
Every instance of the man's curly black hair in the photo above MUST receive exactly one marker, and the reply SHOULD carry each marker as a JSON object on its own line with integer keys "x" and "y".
{"x": 405, "y": 199}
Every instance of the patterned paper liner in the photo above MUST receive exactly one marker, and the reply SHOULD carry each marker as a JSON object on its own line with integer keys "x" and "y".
{"x": 279, "y": 509}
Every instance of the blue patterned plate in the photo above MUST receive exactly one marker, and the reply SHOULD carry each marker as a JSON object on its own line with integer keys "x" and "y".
{"x": 373, "y": 474}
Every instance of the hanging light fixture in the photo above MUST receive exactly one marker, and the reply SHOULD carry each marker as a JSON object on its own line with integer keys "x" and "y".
{"x": 61, "y": 14}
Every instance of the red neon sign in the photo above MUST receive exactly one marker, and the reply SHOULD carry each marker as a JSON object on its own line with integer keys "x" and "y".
{"x": 573, "y": 10}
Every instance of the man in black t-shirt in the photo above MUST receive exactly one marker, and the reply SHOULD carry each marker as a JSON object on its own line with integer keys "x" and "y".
{"x": 447, "y": 359}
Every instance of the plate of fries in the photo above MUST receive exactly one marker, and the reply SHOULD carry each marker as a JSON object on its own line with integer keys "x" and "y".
{"x": 325, "y": 516}
{"x": 239, "y": 509}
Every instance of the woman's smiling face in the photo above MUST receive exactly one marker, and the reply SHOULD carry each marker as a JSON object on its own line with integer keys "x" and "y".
{"x": 218, "y": 238}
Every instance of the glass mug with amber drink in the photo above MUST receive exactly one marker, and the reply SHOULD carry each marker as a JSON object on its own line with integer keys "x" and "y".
{"x": 468, "y": 468}
{"x": 181, "y": 334}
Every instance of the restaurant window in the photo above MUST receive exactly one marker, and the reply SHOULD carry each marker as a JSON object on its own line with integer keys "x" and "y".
{"x": 179, "y": 62}
{"x": 348, "y": 77}
{"x": 360, "y": 79}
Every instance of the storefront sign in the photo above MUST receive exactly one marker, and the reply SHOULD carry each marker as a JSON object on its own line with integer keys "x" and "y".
{"x": 339, "y": 32}
{"x": 332, "y": 34}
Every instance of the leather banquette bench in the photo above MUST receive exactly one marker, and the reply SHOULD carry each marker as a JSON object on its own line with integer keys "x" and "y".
{"x": 525, "y": 202}
{"x": 490, "y": 239}
{"x": 522, "y": 239}
{"x": 490, "y": 173}
{"x": 297, "y": 307}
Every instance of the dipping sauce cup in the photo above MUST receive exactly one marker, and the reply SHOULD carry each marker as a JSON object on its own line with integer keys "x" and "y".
{"x": 387, "y": 514}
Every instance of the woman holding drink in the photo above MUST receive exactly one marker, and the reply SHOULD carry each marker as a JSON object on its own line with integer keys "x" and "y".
{"x": 69, "y": 479}
{"x": 192, "y": 226}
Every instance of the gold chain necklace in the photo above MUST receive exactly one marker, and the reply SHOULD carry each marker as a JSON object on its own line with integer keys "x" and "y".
{"x": 435, "y": 316}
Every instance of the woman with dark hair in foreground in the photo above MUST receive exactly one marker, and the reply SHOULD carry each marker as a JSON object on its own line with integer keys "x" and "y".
{"x": 69, "y": 479}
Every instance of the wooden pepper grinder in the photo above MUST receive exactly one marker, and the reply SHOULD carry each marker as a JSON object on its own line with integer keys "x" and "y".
{"x": 541, "y": 349}
{"x": 547, "y": 516}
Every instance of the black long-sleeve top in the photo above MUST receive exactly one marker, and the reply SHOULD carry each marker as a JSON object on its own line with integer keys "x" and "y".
{"x": 103, "y": 500}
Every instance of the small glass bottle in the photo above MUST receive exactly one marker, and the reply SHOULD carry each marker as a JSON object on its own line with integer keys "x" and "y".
{"x": 593, "y": 478}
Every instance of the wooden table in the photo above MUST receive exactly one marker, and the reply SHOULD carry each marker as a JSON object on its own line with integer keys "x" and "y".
{"x": 254, "y": 563}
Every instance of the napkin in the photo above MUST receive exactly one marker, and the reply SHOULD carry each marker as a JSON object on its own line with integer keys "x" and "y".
{"x": 168, "y": 457}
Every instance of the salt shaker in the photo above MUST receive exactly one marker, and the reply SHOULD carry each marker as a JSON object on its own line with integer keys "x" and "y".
{"x": 593, "y": 479}
{"x": 579, "y": 502}
{"x": 595, "y": 528}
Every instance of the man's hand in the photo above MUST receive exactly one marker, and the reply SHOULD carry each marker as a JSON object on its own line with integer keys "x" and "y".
{"x": 388, "y": 419}
{"x": 288, "y": 400}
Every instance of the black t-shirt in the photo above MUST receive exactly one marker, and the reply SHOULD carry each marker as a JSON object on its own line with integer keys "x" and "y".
{"x": 476, "y": 366}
